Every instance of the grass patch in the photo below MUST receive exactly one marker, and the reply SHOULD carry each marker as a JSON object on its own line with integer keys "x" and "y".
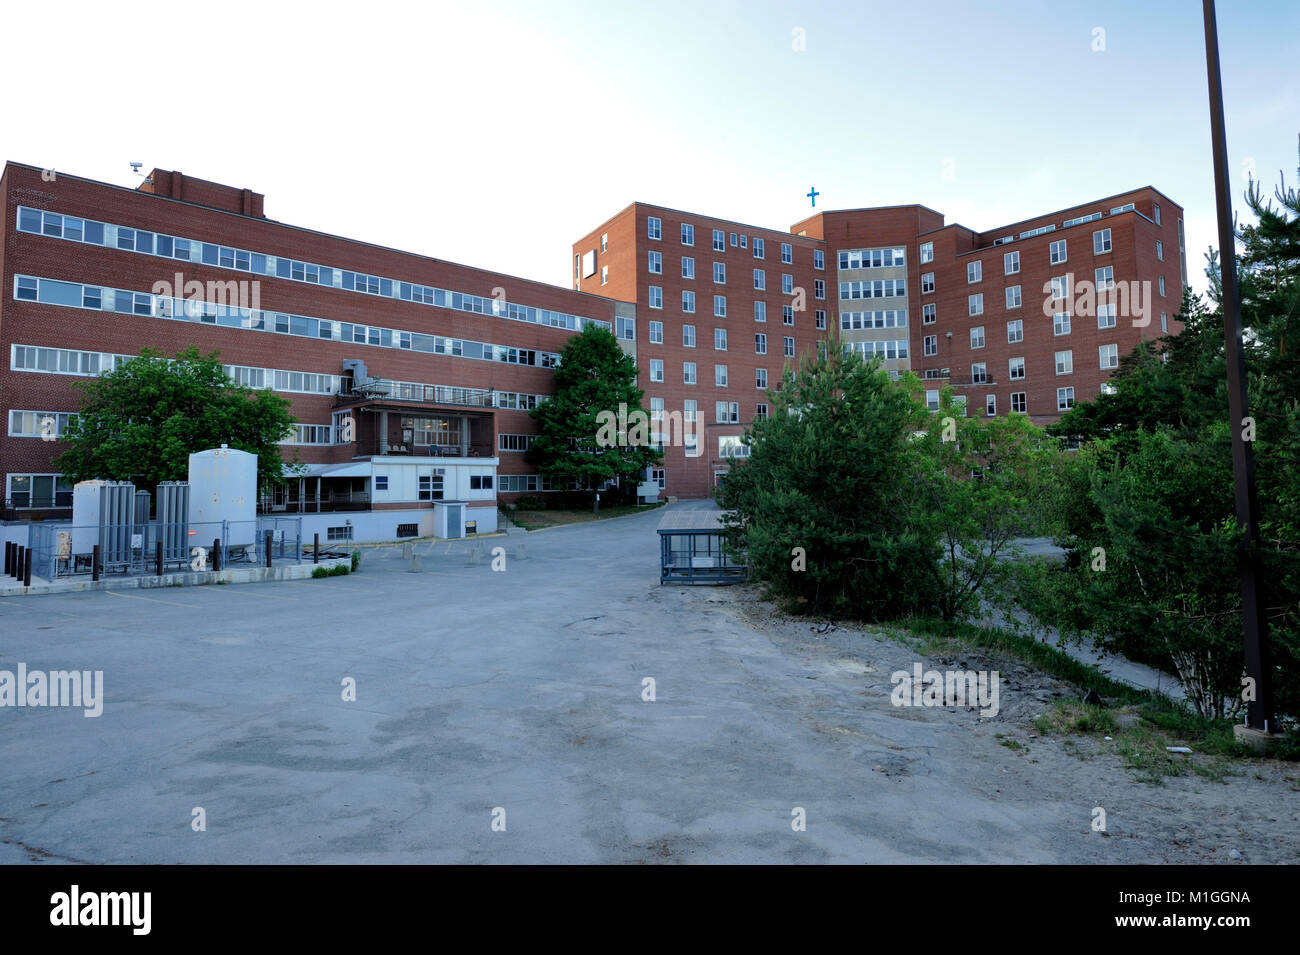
{"x": 338, "y": 570}
{"x": 535, "y": 520}
{"x": 1071, "y": 717}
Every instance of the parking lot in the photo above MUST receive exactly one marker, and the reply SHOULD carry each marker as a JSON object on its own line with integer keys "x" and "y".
{"x": 517, "y": 696}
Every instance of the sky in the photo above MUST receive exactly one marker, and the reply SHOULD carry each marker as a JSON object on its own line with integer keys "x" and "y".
{"x": 495, "y": 134}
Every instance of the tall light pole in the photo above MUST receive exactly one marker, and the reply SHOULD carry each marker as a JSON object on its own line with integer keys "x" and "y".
{"x": 1259, "y": 710}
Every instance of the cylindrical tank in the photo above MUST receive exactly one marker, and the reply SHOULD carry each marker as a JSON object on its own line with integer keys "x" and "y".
{"x": 223, "y": 487}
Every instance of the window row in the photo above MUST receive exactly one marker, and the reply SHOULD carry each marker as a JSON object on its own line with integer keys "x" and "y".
{"x": 97, "y": 298}
{"x": 192, "y": 250}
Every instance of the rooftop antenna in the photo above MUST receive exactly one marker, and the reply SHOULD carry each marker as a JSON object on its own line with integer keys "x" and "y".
{"x": 135, "y": 168}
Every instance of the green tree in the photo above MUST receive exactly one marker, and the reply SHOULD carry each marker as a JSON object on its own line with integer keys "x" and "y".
{"x": 593, "y": 429}
{"x": 822, "y": 508}
{"x": 1151, "y": 491}
{"x": 141, "y": 421}
{"x": 978, "y": 482}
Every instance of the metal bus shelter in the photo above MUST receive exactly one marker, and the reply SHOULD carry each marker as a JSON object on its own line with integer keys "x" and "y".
{"x": 691, "y": 551}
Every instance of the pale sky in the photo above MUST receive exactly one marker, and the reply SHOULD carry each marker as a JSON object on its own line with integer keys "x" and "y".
{"x": 496, "y": 133}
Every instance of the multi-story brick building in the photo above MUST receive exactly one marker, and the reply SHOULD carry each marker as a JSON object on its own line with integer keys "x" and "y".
{"x": 408, "y": 373}
{"x": 1028, "y": 317}
{"x": 413, "y": 376}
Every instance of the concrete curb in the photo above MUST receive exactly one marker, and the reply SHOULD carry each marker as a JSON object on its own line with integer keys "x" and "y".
{"x": 599, "y": 520}
{"x": 237, "y": 575}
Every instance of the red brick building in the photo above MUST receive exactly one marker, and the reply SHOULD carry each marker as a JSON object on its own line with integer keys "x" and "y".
{"x": 412, "y": 376}
{"x": 1029, "y": 317}
{"x": 433, "y": 365}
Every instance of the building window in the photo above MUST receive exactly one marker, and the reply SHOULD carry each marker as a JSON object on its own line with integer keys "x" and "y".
{"x": 819, "y": 259}
{"x": 719, "y": 339}
{"x": 1061, "y": 323}
{"x": 787, "y": 253}
{"x": 1108, "y": 356}
{"x": 760, "y": 311}
{"x": 688, "y": 267}
{"x": 1065, "y": 398}
{"x": 734, "y": 240}
{"x": 760, "y": 344}
{"x": 927, "y": 252}
{"x": 975, "y": 303}
{"x": 787, "y": 284}
{"x": 1060, "y": 287}
{"x": 928, "y": 315}
{"x": 1155, "y": 212}
{"x": 974, "y": 272}
{"x": 927, "y": 282}
{"x": 787, "y": 314}
{"x": 688, "y": 372}
{"x": 381, "y": 482}
{"x": 760, "y": 378}
{"x": 654, "y": 228}
{"x": 688, "y": 234}
{"x": 657, "y": 478}
{"x": 760, "y": 410}
{"x": 931, "y": 345}
{"x": 688, "y": 302}
{"x": 744, "y": 241}
{"x": 1010, "y": 263}
{"x": 990, "y": 405}
{"x": 719, "y": 241}
{"x": 604, "y": 275}
{"x": 1015, "y": 331}
{"x": 656, "y": 263}
{"x": 1013, "y": 296}
{"x": 720, "y": 306}
{"x": 604, "y": 242}
{"x": 656, "y": 296}
{"x": 656, "y": 333}
{"x": 1164, "y": 323}
{"x": 1065, "y": 362}
{"x": 1106, "y": 316}
{"x": 977, "y": 337}
{"x": 821, "y": 318}
{"x": 1100, "y": 241}
{"x": 1104, "y": 278}
{"x": 1160, "y": 250}
{"x": 1056, "y": 252}
{"x": 688, "y": 336}
{"x": 1018, "y": 402}
{"x": 760, "y": 280}
{"x": 720, "y": 376}
{"x": 720, "y": 273}
{"x": 819, "y": 288}
{"x": 625, "y": 329}
{"x": 789, "y": 346}
{"x": 1162, "y": 286}
{"x": 656, "y": 369}
{"x": 959, "y": 404}
{"x": 758, "y": 248}
{"x": 978, "y": 373}
{"x": 932, "y": 400}
{"x": 1016, "y": 369}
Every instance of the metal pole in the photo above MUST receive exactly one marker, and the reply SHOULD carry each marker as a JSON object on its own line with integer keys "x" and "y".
{"x": 18, "y": 561}
{"x": 157, "y": 558}
{"x": 9, "y": 558}
{"x": 27, "y": 569}
{"x": 216, "y": 553}
{"x": 315, "y": 549}
{"x": 94, "y": 563}
{"x": 268, "y": 549}
{"x": 1259, "y": 712}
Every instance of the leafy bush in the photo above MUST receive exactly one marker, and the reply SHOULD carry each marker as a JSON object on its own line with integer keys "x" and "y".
{"x": 338, "y": 570}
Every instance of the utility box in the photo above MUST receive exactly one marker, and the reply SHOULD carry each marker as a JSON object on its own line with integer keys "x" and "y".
{"x": 103, "y": 514}
{"x": 223, "y": 487}
{"x": 449, "y": 519}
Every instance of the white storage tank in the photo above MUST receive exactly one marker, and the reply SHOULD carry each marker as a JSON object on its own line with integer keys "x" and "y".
{"x": 223, "y": 487}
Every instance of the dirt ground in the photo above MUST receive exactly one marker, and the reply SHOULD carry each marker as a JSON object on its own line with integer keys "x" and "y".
{"x": 1251, "y": 816}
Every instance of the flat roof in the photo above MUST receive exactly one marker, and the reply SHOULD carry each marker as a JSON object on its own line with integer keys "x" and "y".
{"x": 691, "y": 519}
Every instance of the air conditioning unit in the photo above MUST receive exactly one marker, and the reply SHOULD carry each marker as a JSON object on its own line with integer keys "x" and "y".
{"x": 945, "y": 373}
